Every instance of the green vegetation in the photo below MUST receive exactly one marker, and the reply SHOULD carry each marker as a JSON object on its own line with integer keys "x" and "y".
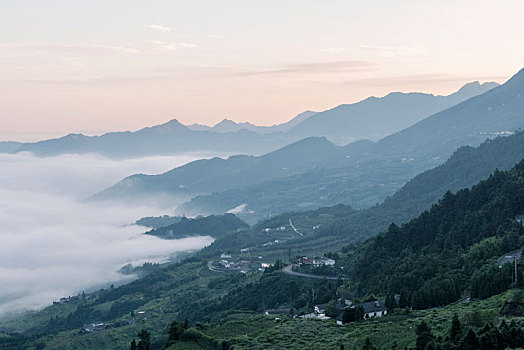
{"x": 328, "y": 229}
{"x": 158, "y": 221}
{"x": 434, "y": 258}
{"x": 447, "y": 252}
{"x": 394, "y": 331}
{"x": 213, "y": 225}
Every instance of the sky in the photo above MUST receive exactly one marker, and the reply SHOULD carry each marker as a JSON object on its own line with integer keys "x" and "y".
{"x": 97, "y": 66}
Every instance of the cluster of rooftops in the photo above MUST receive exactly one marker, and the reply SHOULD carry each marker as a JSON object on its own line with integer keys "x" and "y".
{"x": 371, "y": 309}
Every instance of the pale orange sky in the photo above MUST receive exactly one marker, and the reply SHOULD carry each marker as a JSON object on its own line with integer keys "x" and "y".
{"x": 98, "y": 66}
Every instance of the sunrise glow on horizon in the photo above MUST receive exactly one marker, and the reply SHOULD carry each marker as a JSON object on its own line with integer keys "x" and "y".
{"x": 98, "y": 66}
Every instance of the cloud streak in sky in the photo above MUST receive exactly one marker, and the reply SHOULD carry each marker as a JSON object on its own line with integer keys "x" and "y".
{"x": 171, "y": 46}
{"x": 316, "y": 68}
{"x": 159, "y": 28}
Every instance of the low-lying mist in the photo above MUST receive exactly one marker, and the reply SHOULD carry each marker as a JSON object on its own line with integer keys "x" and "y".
{"x": 54, "y": 244}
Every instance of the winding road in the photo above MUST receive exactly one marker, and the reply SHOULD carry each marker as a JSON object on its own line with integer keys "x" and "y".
{"x": 294, "y": 228}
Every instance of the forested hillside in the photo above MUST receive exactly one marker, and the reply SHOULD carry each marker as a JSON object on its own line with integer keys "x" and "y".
{"x": 446, "y": 251}
{"x": 214, "y": 225}
{"x": 340, "y": 225}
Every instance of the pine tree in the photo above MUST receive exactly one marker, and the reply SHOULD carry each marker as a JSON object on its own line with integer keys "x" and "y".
{"x": 133, "y": 345}
{"x": 470, "y": 341}
{"x": 456, "y": 329}
{"x": 404, "y": 299}
{"x": 145, "y": 340}
{"x": 367, "y": 345}
{"x": 348, "y": 316}
{"x": 175, "y": 331}
{"x": 424, "y": 336}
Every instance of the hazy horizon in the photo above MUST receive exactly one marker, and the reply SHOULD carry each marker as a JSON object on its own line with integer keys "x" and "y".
{"x": 55, "y": 134}
{"x": 70, "y": 66}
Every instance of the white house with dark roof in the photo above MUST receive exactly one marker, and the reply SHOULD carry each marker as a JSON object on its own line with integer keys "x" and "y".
{"x": 374, "y": 308}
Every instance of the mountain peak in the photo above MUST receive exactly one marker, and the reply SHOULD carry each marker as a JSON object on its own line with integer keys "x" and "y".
{"x": 173, "y": 122}
{"x": 475, "y": 86}
{"x": 225, "y": 122}
{"x": 517, "y": 78}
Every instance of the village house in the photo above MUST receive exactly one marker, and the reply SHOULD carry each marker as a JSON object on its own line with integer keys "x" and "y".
{"x": 317, "y": 262}
{"x": 305, "y": 261}
{"x": 281, "y": 311}
{"x": 323, "y": 262}
{"x": 93, "y": 327}
{"x": 374, "y": 308}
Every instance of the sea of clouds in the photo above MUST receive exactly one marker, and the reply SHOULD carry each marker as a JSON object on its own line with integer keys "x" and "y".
{"x": 54, "y": 244}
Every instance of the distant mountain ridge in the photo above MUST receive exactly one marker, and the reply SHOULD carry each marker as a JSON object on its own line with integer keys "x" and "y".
{"x": 227, "y": 125}
{"x": 168, "y": 138}
{"x": 217, "y": 174}
{"x": 369, "y": 119}
{"x": 375, "y": 118}
{"x": 382, "y": 168}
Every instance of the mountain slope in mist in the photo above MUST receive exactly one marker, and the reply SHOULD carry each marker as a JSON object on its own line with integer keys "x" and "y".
{"x": 217, "y": 174}
{"x": 374, "y": 118}
{"x": 369, "y": 177}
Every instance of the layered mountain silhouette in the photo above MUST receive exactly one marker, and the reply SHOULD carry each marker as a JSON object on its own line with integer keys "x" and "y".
{"x": 374, "y": 118}
{"x": 227, "y": 125}
{"x": 368, "y": 119}
{"x": 382, "y": 168}
{"x": 217, "y": 174}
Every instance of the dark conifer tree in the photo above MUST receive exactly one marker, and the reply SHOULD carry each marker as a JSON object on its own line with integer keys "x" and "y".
{"x": 470, "y": 341}
{"x": 368, "y": 345}
{"x": 424, "y": 336}
{"x": 175, "y": 331}
{"x": 145, "y": 340}
{"x": 456, "y": 329}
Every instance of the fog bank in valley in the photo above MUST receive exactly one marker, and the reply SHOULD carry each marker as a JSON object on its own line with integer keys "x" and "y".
{"x": 54, "y": 244}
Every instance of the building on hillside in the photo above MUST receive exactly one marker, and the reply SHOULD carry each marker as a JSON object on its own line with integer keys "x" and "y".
{"x": 306, "y": 261}
{"x": 316, "y": 262}
{"x": 374, "y": 308}
{"x": 323, "y": 262}
{"x": 281, "y": 311}
{"x": 93, "y": 327}
{"x": 320, "y": 309}
{"x": 225, "y": 256}
{"x": 520, "y": 218}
